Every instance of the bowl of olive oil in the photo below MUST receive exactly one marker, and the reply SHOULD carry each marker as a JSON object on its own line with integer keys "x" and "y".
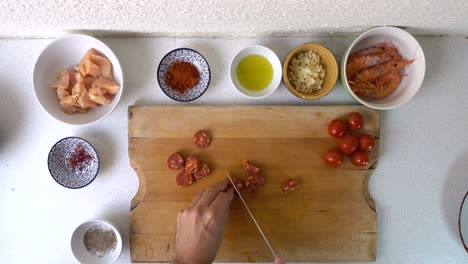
{"x": 255, "y": 72}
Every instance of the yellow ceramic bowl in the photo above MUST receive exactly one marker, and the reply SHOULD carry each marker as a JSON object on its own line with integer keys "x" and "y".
{"x": 328, "y": 62}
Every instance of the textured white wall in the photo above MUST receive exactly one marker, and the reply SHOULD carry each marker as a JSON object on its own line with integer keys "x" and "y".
{"x": 212, "y": 18}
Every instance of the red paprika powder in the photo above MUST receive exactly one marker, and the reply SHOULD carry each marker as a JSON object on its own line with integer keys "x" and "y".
{"x": 182, "y": 76}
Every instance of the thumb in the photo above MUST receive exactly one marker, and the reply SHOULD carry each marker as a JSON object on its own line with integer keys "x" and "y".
{"x": 279, "y": 261}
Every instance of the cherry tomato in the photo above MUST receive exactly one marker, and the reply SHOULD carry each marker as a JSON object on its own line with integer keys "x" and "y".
{"x": 355, "y": 120}
{"x": 348, "y": 144}
{"x": 360, "y": 158}
{"x": 366, "y": 142}
{"x": 336, "y": 128}
{"x": 333, "y": 157}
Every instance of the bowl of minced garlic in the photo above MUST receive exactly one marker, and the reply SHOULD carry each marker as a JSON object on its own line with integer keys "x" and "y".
{"x": 310, "y": 71}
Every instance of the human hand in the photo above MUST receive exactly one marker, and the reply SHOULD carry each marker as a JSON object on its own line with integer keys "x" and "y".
{"x": 200, "y": 227}
{"x": 279, "y": 261}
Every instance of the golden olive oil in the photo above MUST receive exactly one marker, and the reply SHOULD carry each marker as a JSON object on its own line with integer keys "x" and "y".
{"x": 254, "y": 72}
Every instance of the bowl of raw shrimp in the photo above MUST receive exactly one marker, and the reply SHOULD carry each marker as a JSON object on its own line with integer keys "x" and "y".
{"x": 383, "y": 68}
{"x": 78, "y": 80}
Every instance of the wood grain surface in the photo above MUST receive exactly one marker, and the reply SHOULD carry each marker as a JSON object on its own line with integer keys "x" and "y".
{"x": 330, "y": 217}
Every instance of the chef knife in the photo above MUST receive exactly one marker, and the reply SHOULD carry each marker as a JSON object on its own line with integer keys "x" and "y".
{"x": 252, "y": 216}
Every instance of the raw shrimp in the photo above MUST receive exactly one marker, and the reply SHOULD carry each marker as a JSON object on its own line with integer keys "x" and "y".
{"x": 370, "y": 74}
{"x": 371, "y": 57}
{"x": 383, "y": 86}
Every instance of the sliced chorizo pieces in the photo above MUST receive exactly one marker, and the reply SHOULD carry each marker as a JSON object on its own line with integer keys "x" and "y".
{"x": 175, "y": 161}
{"x": 192, "y": 164}
{"x": 184, "y": 179}
{"x": 201, "y": 139}
{"x": 250, "y": 168}
{"x": 202, "y": 171}
{"x": 289, "y": 185}
{"x": 254, "y": 182}
{"x": 240, "y": 185}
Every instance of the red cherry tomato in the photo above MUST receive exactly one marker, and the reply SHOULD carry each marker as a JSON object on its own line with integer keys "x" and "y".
{"x": 360, "y": 158}
{"x": 348, "y": 144}
{"x": 333, "y": 157}
{"x": 355, "y": 120}
{"x": 366, "y": 142}
{"x": 336, "y": 128}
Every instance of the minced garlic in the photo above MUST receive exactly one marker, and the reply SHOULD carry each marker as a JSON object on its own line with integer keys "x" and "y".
{"x": 306, "y": 73}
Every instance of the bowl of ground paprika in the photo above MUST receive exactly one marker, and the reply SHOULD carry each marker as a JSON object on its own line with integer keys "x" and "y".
{"x": 184, "y": 75}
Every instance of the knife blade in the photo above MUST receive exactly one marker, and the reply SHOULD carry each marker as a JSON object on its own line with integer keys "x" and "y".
{"x": 251, "y": 215}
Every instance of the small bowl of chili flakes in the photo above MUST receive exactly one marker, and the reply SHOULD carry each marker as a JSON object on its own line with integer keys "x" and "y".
{"x": 73, "y": 162}
{"x": 184, "y": 75}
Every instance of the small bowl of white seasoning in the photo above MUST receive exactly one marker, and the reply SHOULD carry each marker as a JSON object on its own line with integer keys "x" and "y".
{"x": 96, "y": 241}
{"x": 310, "y": 71}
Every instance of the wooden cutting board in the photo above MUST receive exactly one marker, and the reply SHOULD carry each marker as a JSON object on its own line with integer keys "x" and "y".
{"x": 330, "y": 217}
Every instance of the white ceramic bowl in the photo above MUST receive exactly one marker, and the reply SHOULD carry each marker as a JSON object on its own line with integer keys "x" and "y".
{"x": 272, "y": 58}
{"x": 64, "y": 53}
{"x": 463, "y": 222}
{"x": 409, "y": 48}
{"x": 79, "y": 249}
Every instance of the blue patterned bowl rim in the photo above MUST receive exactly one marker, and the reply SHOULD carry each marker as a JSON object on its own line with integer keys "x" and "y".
{"x": 204, "y": 88}
{"x": 97, "y": 157}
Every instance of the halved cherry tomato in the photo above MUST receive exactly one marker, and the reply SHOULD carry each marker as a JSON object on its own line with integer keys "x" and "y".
{"x": 355, "y": 120}
{"x": 348, "y": 144}
{"x": 366, "y": 142}
{"x": 336, "y": 128}
{"x": 360, "y": 158}
{"x": 333, "y": 157}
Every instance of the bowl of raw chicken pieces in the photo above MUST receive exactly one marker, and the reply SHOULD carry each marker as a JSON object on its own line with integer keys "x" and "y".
{"x": 78, "y": 80}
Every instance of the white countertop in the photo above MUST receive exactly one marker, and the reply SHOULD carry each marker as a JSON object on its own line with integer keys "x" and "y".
{"x": 418, "y": 184}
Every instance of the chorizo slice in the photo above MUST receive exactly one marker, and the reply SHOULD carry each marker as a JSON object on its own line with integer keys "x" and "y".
{"x": 184, "y": 179}
{"x": 257, "y": 179}
{"x": 289, "y": 185}
{"x": 250, "y": 168}
{"x": 192, "y": 164}
{"x": 254, "y": 182}
{"x": 251, "y": 186}
{"x": 175, "y": 161}
{"x": 202, "y": 171}
{"x": 201, "y": 139}
{"x": 240, "y": 185}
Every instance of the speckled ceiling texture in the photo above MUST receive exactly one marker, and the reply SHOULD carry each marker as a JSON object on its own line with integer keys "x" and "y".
{"x": 211, "y": 18}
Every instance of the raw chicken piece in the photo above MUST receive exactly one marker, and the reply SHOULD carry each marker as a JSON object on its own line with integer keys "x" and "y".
{"x": 72, "y": 80}
{"x": 107, "y": 85}
{"x": 90, "y": 84}
{"x": 85, "y": 80}
{"x": 84, "y": 100}
{"x": 63, "y": 80}
{"x": 99, "y": 96}
{"x": 61, "y": 93}
{"x": 87, "y": 66}
{"x": 68, "y": 104}
{"x": 104, "y": 64}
